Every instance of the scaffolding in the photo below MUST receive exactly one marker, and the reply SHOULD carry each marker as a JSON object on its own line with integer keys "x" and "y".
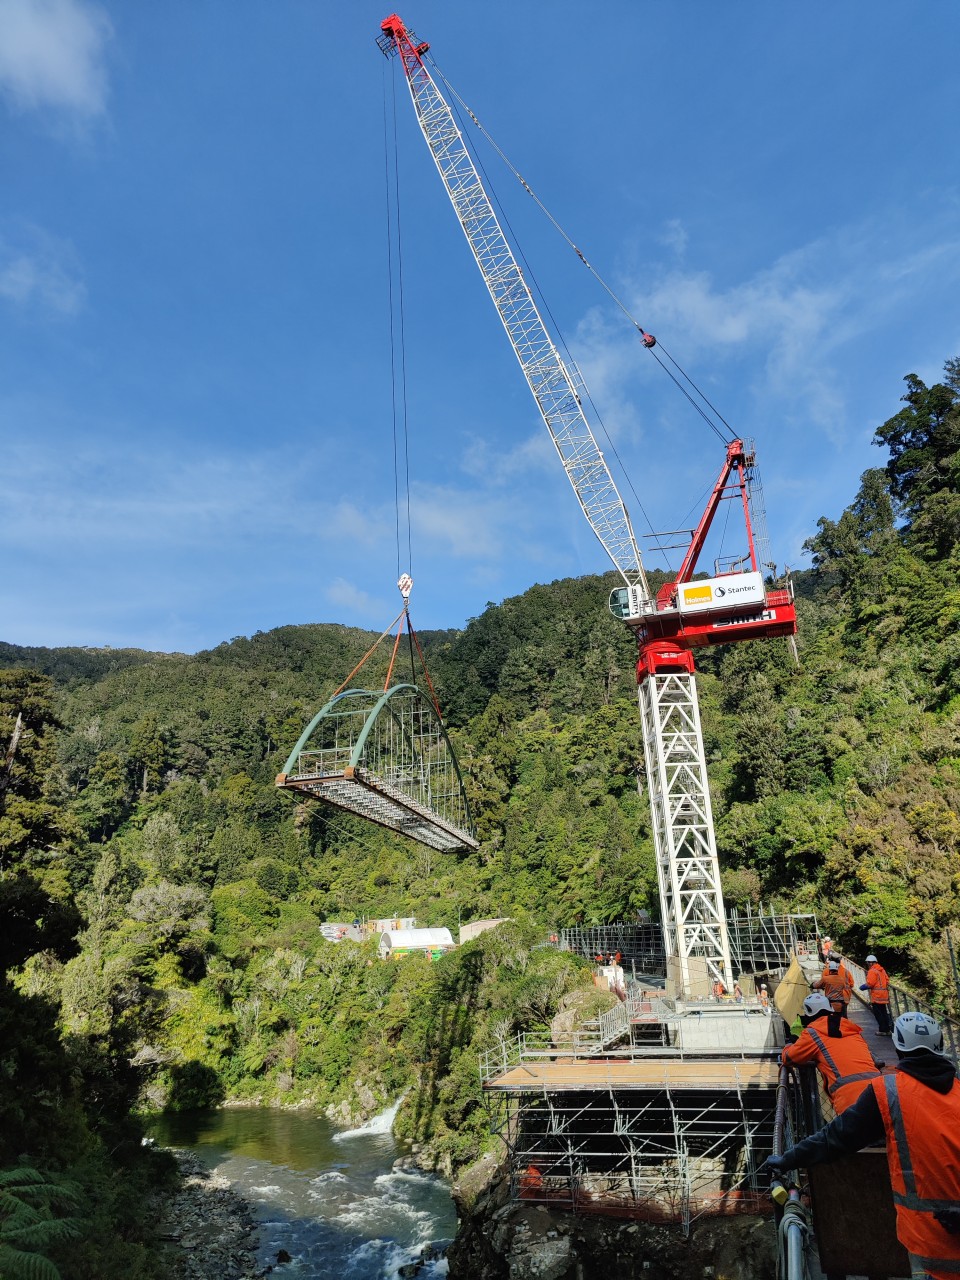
{"x": 670, "y": 1151}
{"x": 759, "y": 942}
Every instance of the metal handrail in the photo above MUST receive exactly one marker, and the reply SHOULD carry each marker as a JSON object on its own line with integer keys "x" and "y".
{"x": 904, "y": 1001}
{"x": 793, "y": 1222}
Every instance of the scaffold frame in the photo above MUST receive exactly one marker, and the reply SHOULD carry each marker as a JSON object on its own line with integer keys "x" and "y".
{"x": 663, "y": 1154}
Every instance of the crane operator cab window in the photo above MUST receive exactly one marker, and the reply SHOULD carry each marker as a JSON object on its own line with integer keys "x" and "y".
{"x": 627, "y": 603}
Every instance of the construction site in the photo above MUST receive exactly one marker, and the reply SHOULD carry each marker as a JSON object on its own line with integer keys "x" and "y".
{"x": 664, "y": 1105}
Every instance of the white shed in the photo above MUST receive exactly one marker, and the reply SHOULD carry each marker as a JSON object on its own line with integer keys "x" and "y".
{"x": 405, "y": 942}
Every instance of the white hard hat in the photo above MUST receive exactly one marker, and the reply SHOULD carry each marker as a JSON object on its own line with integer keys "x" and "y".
{"x": 872, "y": 960}
{"x": 913, "y": 1031}
{"x": 815, "y": 1004}
{"x": 763, "y": 986}
{"x": 834, "y": 964}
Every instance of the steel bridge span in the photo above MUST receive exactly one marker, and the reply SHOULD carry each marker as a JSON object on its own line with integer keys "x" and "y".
{"x": 385, "y": 756}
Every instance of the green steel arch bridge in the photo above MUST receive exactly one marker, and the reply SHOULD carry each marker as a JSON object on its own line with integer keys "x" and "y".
{"x": 385, "y": 756}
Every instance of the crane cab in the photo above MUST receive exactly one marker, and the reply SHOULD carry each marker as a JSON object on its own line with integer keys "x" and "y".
{"x": 629, "y": 604}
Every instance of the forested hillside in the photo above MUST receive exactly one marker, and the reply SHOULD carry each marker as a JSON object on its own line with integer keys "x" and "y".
{"x": 160, "y": 899}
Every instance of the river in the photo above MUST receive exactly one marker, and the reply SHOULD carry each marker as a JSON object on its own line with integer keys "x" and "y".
{"x": 329, "y": 1198}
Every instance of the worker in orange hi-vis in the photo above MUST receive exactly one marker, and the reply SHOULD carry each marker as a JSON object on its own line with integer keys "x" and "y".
{"x": 836, "y": 1047}
{"x": 836, "y": 984}
{"x": 917, "y": 1110}
{"x": 878, "y": 984}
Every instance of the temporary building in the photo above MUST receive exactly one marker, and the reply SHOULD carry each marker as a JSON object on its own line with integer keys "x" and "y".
{"x": 405, "y": 942}
{"x": 390, "y": 923}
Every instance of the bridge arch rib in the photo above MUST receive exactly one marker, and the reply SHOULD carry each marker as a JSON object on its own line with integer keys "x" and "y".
{"x": 385, "y": 756}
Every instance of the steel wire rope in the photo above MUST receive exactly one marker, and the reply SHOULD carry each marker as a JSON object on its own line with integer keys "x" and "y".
{"x": 599, "y": 278}
{"x": 723, "y": 534}
{"x": 515, "y": 245}
{"x": 397, "y": 330}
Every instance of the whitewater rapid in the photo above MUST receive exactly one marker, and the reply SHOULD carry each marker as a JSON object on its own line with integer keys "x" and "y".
{"x": 331, "y": 1200}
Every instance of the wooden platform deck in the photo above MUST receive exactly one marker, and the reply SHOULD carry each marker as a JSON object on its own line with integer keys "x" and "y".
{"x": 649, "y": 1074}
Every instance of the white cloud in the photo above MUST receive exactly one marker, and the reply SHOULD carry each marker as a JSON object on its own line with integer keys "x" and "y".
{"x": 463, "y": 524}
{"x": 51, "y": 55}
{"x": 354, "y": 599}
{"x": 40, "y": 273}
{"x": 786, "y": 330}
{"x": 674, "y": 236}
{"x": 536, "y": 453}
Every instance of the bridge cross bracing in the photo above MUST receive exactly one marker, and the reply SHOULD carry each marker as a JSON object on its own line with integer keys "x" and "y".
{"x": 385, "y": 756}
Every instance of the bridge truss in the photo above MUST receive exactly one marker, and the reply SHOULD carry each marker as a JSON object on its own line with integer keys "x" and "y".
{"x": 385, "y": 756}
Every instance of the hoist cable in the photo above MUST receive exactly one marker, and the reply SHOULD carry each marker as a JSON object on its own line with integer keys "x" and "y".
{"x": 597, "y": 276}
{"x": 398, "y": 365}
{"x": 392, "y": 310}
{"x": 723, "y": 535}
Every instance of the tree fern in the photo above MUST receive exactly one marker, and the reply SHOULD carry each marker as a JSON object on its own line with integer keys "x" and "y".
{"x": 27, "y": 1225}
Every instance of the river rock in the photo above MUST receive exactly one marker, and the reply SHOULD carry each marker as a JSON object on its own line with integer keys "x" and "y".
{"x": 502, "y": 1239}
{"x": 211, "y": 1230}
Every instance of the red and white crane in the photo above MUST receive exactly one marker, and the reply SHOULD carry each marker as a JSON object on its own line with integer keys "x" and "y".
{"x": 685, "y": 614}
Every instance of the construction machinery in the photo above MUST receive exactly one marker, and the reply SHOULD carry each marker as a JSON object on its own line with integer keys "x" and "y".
{"x": 736, "y": 603}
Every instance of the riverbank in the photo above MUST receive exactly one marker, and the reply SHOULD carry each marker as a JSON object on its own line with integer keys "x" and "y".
{"x": 210, "y": 1231}
{"x": 309, "y": 1200}
{"x": 502, "y": 1239}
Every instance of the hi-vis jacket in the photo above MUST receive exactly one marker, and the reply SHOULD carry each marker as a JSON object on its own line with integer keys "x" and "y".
{"x": 844, "y": 1060}
{"x": 837, "y": 987}
{"x": 878, "y": 984}
{"x": 923, "y": 1153}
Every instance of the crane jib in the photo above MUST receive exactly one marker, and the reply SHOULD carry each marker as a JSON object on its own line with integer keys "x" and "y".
{"x": 555, "y": 388}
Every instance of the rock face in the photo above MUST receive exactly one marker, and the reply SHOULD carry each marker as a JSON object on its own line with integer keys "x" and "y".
{"x": 210, "y": 1230}
{"x": 503, "y": 1240}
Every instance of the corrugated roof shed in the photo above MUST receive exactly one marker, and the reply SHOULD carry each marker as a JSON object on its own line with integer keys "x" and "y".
{"x": 415, "y": 939}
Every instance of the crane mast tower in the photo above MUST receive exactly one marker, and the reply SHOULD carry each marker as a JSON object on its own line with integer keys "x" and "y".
{"x": 685, "y": 614}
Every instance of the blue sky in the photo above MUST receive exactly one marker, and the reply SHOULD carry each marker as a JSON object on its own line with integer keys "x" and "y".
{"x": 195, "y": 401}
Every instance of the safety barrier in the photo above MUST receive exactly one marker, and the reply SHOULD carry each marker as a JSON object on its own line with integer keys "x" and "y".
{"x": 904, "y": 1001}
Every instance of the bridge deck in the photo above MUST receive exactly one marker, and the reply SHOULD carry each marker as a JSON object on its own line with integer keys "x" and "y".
{"x": 881, "y": 1047}
{"x": 647, "y": 1074}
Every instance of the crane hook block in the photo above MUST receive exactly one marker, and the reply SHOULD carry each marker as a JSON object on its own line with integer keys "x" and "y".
{"x": 648, "y": 339}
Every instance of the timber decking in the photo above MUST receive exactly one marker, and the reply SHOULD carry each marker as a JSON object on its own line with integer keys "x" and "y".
{"x": 649, "y": 1074}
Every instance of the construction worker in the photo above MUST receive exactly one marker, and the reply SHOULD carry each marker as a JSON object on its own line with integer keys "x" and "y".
{"x": 531, "y": 1181}
{"x": 878, "y": 984}
{"x": 836, "y": 984}
{"x": 917, "y": 1110}
{"x": 719, "y": 990}
{"x": 836, "y": 1047}
{"x": 826, "y": 946}
{"x": 764, "y": 997}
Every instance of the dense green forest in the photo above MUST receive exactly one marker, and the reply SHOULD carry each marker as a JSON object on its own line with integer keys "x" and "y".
{"x": 160, "y": 898}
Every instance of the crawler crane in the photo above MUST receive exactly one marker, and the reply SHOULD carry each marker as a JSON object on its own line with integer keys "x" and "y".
{"x": 684, "y": 615}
